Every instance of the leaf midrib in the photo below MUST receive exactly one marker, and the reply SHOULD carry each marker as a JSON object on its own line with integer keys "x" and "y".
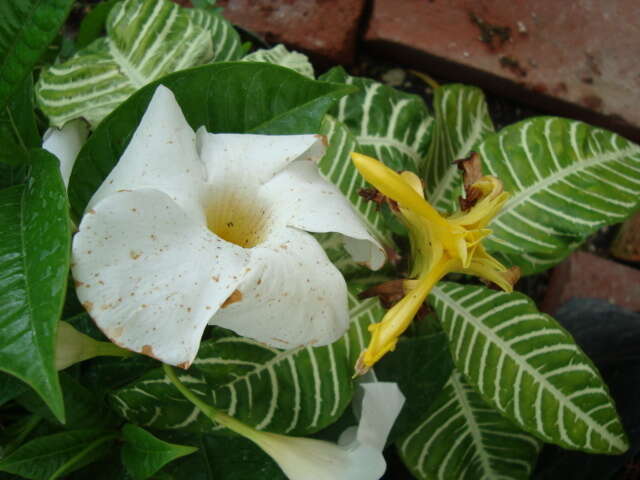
{"x": 575, "y": 167}
{"x": 512, "y": 355}
{"x": 472, "y": 425}
{"x": 471, "y": 140}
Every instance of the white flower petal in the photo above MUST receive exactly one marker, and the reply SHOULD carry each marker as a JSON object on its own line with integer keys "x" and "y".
{"x": 381, "y": 406}
{"x": 161, "y": 155}
{"x": 65, "y": 143}
{"x": 360, "y": 459}
{"x": 307, "y": 458}
{"x": 292, "y": 296}
{"x": 253, "y": 159}
{"x": 150, "y": 276}
{"x": 309, "y": 202}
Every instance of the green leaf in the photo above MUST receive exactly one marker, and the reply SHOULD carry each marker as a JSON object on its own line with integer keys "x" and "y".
{"x": 461, "y": 437}
{"x": 143, "y": 454}
{"x": 392, "y": 126}
{"x": 566, "y": 180}
{"x": 462, "y": 121}
{"x": 528, "y": 368}
{"x": 18, "y": 131}
{"x": 86, "y": 409}
{"x": 26, "y": 29}
{"x": 420, "y": 366}
{"x": 10, "y": 388}
{"x": 297, "y": 391}
{"x": 227, "y": 45}
{"x": 50, "y": 457}
{"x": 34, "y": 264}
{"x": 94, "y": 23}
{"x": 279, "y": 55}
{"x": 256, "y": 98}
{"x": 221, "y": 458}
{"x": 146, "y": 39}
{"x": 336, "y": 166}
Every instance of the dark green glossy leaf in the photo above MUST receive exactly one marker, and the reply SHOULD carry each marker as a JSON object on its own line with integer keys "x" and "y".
{"x": 421, "y": 366}
{"x": 34, "y": 264}
{"x": 224, "y": 97}
{"x": 26, "y": 29}
{"x": 85, "y": 408}
{"x": 18, "y": 131}
{"x": 222, "y": 458}
{"x": 10, "y": 387}
{"x": 143, "y": 454}
{"x": 93, "y": 25}
{"x": 52, "y": 456}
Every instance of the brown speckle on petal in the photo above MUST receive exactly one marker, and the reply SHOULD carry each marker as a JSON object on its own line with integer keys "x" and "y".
{"x": 88, "y": 306}
{"x": 323, "y": 139}
{"x": 184, "y": 365}
{"x": 116, "y": 332}
{"x": 147, "y": 350}
{"x": 134, "y": 255}
{"x": 236, "y": 296}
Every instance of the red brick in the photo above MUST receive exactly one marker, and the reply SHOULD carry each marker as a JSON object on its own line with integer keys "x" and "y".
{"x": 325, "y": 29}
{"x": 579, "y": 58}
{"x": 626, "y": 245}
{"x": 584, "y": 275}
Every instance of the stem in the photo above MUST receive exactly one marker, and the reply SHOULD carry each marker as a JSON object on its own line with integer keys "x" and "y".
{"x": 426, "y": 79}
{"x": 108, "y": 349}
{"x": 212, "y": 413}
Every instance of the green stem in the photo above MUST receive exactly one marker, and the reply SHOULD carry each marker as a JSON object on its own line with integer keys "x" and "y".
{"x": 108, "y": 349}
{"x": 212, "y": 413}
{"x": 426, "y": 79}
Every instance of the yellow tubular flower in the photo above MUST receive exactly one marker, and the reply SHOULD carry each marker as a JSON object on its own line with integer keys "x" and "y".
{"x": 439, "y": 244}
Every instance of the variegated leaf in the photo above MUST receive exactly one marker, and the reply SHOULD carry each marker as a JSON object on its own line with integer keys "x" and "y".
{"x": 297, "y": 392}
{"x": 566, "y": 179}
{"x": 146, "y": 39}
{"x": 227, "y": 45}
{"x": 333, "y": 245}
{"x": 462, "y": 437}
{"x": 281, "y": 56}
{"x": 528, "y": 368}
{"x": 336, "y": 166}
{"x": 461, "y": 122}
{"x": 392, "y": 126}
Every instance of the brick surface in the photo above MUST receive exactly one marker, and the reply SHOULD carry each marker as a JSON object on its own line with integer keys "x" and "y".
{"x": 584, "y": 275}
{"x": 626, "y": 245}
{"x": 325, "y": 29}
{"x": 578, "y": 58}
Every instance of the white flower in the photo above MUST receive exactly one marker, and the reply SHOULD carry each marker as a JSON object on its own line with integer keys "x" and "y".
{"x": 358, "y": 456}
{"x": 73, "y": 346}
{"x": 190, "y": 229}
{"x": 65, "y": 143}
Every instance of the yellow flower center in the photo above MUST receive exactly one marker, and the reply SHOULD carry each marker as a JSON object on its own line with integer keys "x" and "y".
{"x": 238, "y": 219}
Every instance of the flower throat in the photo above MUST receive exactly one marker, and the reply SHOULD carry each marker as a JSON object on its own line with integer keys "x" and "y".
{"x": 238, "y": 220}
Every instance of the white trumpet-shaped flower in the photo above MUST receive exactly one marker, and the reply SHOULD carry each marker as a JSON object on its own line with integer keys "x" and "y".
{"x": 65, "y": 143}
{"x": 194, "y": 229}
{"x": 358, "y": 454}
